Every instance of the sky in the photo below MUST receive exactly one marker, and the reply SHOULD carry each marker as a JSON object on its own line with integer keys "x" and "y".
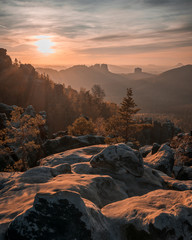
{"x": 121, "y": 32}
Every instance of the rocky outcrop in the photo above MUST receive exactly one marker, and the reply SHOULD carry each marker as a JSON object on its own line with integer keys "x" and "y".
{"x": 62, "y": 215}
{"x": 44, "y": 174}
{"x": 97, "y": 192}
{"x": 160, "y": 214}
{"x": 72, "y": 156}
{"x": 174, "y": 184}
{"x": 100, "y": 67}
{"x": 162, "y": 160}
{"x": 64, "y": 143}
{"x": 182, "y": 172}
{"x": 145, "y": 150}
{"x": 119, "y": 158}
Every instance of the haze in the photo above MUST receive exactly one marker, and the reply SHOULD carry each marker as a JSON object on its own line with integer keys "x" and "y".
{"x": 86, "y": 32}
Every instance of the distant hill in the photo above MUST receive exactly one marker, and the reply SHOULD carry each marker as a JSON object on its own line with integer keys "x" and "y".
{"x": 172, "y": 86}
{"x": 81, "y": 76}
{"x": 138, "y": 75}
{"x": 168, "y": 92}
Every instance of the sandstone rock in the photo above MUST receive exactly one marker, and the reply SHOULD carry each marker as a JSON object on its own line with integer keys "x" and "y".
{"x": 145, "y": 150}
{"x": 158, "y": 215}
{"x": 72, "y": 156}
{"x": 63, "y": 215}
{"x": 175, "y": 184}
{"x": 59, "y": 134}
{"x": 130, "y": 184}
{"x": 155, "y": 148}
{"x": 17, "y": 196}
{"x": 64, "y": 143}
{"x": 182, "y": 173}
{"x": 162, "y": 160}
{"x": 119, "y": 157}
{"x": 61, "y": 169}
{"x": 44, "y": 174}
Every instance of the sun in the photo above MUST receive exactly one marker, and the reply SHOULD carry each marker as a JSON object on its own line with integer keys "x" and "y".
{"x": 44, "y": 44}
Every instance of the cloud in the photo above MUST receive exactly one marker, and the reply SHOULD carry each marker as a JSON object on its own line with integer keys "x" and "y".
{"x": 112, "y": 37}
{"x": 133, "y": 49}
{"x": 134, "y": 25}
{"x": 167, "y": 2}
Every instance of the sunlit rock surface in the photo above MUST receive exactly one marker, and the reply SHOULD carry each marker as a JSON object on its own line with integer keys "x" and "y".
{"x": 119, "y": 157}
{"x": 64, "y": 143}
{"x": 162, "y": 160}
{"x": 158, "y": 215}
{"x": 61, "y": 215}
{"x": 72, "y": 156}
{"x": 78, "y": 194}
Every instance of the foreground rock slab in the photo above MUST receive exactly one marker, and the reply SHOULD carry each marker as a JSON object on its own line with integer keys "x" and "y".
{"x": 62, "y": 215}
{"x": 158, "y": 215}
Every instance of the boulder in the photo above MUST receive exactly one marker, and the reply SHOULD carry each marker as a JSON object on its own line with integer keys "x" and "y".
{"x": 161, "y": 214}
{"x": 155, "y": 148}
{"x": 61, "y": 215}
{"x": 130, "y": 184}
{"x": 64, "y": 143}
{"x": 145, "y": 150}
{"x": 119, "y": 158}
{"x": 44, "y": 174}
{"x": 72, "y": 156}
{"x": 182, "y": 172}
{"x": 162, "y": 160}
{"x": 174, "y": 184}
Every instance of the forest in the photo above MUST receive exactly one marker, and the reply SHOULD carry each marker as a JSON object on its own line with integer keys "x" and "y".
{"x": 21, "y": 85}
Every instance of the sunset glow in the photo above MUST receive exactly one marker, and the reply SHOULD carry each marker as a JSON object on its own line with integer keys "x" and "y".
{"x": 86, "y": 32}
{"x": 44, "y": 45}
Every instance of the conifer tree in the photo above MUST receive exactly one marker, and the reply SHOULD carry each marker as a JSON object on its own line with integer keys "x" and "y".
{"x": 127, "y": 110}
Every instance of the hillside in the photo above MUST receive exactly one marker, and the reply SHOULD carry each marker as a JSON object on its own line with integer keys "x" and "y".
{"x": 167, "y": 93}
{"x": 172, "y": 87}
{"x": 21, "y": 85}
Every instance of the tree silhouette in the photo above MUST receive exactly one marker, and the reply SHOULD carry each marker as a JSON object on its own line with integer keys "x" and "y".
{"x": 127, "y": 110}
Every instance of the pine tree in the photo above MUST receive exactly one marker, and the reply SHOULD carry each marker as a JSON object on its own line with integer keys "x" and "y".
{"x": 126, "y": 111}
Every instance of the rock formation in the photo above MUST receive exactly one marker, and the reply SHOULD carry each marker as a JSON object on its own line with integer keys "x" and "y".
{"x": 100, "y": 192}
